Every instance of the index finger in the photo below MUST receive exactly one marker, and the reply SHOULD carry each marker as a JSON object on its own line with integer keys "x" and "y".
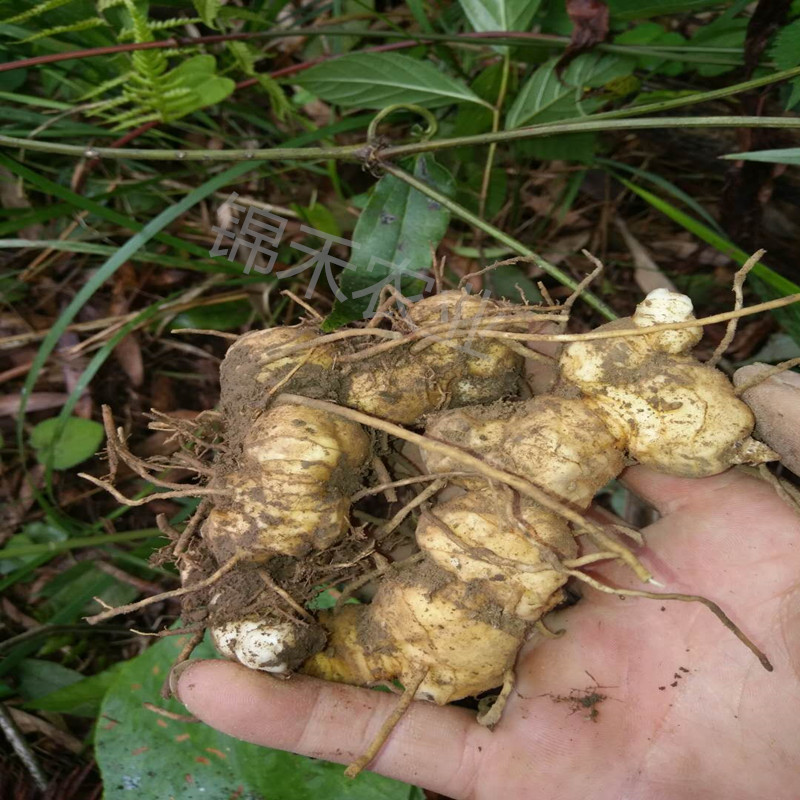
{"x": 437, "y": 748}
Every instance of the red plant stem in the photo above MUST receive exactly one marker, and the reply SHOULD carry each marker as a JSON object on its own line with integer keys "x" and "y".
{"x": 188, "y": 41}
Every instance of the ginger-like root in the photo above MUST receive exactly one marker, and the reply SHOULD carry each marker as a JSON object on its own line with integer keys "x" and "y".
{"x": 672, "y": 412}
{"x": 403, "y": 386}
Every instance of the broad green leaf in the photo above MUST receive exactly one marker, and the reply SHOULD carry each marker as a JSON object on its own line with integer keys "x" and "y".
{"x": 33, "y": 534}
{"x": 651, "y": 33}
{"x": 786, "y": 155}
{"x": 197, "y": 74}
{"x": 500, "y": 15}
{"x": 786, "y": 50}
{"x": 79, "y": 440}
{"x": 37, "y": 677}
{"x": 208, "y": 10}
{"x": 393, "y": 241}
{"x": 144, "y": 755}
{"x": 377, "y": 80}
{"x": 546, "y": 97}
{"x": 82, "y": 698}
{"x": 644, "y": 9}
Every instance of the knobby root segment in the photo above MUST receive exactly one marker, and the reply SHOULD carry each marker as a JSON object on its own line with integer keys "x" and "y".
{"x": 158, "y": 598}
{"x": 388, "y": 726}
{"x": 738, "y": 285}
{"x": 522, "y": 485}
{"x": 686, "y": 598}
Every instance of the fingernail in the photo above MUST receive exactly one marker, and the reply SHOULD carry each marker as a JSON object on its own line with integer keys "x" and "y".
{"x": 175, "y": 675}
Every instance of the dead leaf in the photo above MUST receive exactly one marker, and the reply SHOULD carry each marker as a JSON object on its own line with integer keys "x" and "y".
{"x": 648, "y": 274}
{"x": 589, "y": 27}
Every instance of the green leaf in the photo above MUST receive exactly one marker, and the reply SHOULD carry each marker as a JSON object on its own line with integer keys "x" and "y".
{"x": 511, "y": 283}
{"x": 644, "y": 9}
{"x": 720, "y": 33}
{"x": 377, "y": 80}
{"x": 33, "y": 534}
{"x": 205, "y": 88}
{"x": 651, "y": 33}
{"x": 786, "y": 155}
{"x": 393, "y": 241}
{"x": 208, "y": 10}
{"x": 500, "y": 15}
{"x": 546, "y": 97}
{"x": 150, "y": 757}
{"x": 79, "y": 440}
{"x": 786, "y": 50}
{"x": 37, "y": 678}
{"x": 81, "y": 698}
{"x": 219, "y": 317}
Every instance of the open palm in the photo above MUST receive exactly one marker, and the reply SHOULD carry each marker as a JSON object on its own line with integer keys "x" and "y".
{"x": 689, "y": 711}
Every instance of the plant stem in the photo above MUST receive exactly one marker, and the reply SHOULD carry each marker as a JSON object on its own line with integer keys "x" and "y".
{"x": 497, "y": 234}
{"x": 590, "y": 124}
{"x": 78, "y": 541}
{"x": 515, "y": 38}
{"x": 497, "y": 112}
{"x": 356, "y": 152}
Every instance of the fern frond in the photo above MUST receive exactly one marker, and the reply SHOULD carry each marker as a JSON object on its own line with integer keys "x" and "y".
{"x": 104, "y": 5}
{"x": 245, "y": 57}
{"x": 105, "y": 86}
{"x": 171, "y": 52}
{"x": 175, "y": 22}
{"x": 139, "y": 23}
{"x": 149, "y": 64}
{"x": 83, "y": 25}
{"x": 135, "y": 122}
{"x": 37, "y": 10}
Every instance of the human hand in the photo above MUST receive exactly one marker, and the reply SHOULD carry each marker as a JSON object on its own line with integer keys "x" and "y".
{"x": 689, "y": 711}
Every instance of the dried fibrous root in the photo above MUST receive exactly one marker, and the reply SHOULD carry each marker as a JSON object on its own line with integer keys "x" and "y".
{"x": 388, "y": 726}
{"x": 184, "y": 655}
{"x": 158, "y": 598}
{"x": 786, "y": 491}
{"x": 686, "y": 598}
{"x": 492, "y": 710}
{"x": 765, "y": 375}
{"x": 738, "y": 292}
{"x": 187, "y": 491}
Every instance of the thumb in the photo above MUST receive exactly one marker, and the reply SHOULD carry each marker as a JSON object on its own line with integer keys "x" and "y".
{"x": 776, "y": 404}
